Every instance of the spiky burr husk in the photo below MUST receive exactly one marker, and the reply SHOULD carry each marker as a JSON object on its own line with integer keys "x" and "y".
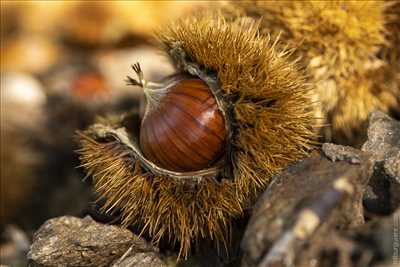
{"x": 339, "y": 44}
{"x": 268, "y": 106}
{"x": 391, "y": 52}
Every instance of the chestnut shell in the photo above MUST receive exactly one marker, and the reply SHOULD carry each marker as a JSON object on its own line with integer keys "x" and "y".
{"x": 185, "y": 131}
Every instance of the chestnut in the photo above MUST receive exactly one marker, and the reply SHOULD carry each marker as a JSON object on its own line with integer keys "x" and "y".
{"x": 183, "y": 128}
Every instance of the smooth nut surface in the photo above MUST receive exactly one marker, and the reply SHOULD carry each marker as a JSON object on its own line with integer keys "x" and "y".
{"x": 186, "y": 131}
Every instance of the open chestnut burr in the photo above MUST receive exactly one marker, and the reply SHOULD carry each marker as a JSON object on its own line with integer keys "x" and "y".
{"x": 237, "y": 112}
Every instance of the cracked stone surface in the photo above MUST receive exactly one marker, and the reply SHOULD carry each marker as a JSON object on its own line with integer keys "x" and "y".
{"x": 383, "y": 136}
{"x": 303, "y": 203}
{"x": 313, "y": 208}
{"x": 339, "y": 153}
{"x": 383, "y": 193}
{"x": 392, "y": 166}
{"x": 71, "y": 241}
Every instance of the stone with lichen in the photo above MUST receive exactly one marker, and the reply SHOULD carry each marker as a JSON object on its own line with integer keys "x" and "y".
{"x": 71, "y": 241}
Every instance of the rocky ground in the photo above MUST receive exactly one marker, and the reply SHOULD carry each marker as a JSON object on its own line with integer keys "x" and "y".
{"x": 339, "y": 207}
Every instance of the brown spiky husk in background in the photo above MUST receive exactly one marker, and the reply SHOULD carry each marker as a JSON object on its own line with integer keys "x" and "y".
{"x": 391, "y": 52}
{"x": 338, "y": 42}
{"x": 274, "y": 124}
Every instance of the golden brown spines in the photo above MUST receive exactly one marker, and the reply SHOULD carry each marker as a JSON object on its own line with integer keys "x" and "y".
{"x": 273, "y": 120}
{"x": 339, "y": 43}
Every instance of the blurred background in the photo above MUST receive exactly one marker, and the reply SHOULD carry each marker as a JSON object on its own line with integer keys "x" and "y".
{"x": 62, "y": 64}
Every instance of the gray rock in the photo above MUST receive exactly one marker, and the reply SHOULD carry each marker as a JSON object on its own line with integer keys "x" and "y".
{"x": 301, "y": 204}
{"x": 392, "y": 166}
{"x": 140, "y": 259}
{"x": 339, "y": 152}
{"x": 71, "y": 241}
{"x": 383, "y": 136}
{"x": 383, "y": 193}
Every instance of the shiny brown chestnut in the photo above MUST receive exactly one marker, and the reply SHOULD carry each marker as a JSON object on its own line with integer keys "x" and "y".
{"x": 183, "y": 128}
